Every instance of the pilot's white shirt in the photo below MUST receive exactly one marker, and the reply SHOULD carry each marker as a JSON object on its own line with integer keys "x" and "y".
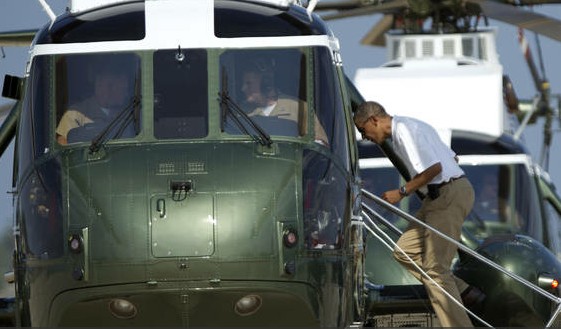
{"x": 419, "y": 146}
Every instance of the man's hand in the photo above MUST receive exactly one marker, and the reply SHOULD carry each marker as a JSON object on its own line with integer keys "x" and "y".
{"x": 392, "y": 196}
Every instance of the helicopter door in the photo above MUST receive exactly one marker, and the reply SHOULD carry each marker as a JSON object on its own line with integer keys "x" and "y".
{"x": 182, "y": 224}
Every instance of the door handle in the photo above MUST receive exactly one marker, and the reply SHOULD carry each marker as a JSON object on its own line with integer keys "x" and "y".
{"x": 161, "y": 207}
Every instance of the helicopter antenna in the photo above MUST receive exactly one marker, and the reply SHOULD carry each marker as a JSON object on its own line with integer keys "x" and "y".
{"x": 48, "y": 10}
{"x": 311, "y": 6}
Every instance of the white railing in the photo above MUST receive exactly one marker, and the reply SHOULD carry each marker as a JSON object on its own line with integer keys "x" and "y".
{"x": 386, "y": 240}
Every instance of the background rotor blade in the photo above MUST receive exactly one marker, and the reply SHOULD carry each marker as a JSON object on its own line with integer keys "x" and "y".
{"x": 17, "y": 38}
{"x": 339, "y": 5}
{"x": 384, "y": 8}
{"x": 376, "y": 35}
{"x": 541, "y": 24}
{"x": 531, "y": 2}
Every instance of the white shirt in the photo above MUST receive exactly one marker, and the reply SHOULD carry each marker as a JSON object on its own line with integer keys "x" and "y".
{"x": 419, "y": 147}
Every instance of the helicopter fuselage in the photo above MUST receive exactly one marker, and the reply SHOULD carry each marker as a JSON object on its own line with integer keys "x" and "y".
{"x": 176, "y": 204}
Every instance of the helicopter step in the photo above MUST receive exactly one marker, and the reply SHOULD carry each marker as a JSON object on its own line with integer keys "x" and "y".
{"x": 421, "y": 320}
{"x": 394, "y": 305}
{"x": 399, "y": 306}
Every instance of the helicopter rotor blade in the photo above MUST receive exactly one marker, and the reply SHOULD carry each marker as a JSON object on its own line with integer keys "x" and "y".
{"x": 529, "y": 20}
{"x": 543, "y": 105}
{"x": 531, "y": 2}
{"x": 375, "y": 37}
{"x": 339, "y": 5}
{"x": 539, "y": 83}
{"x": 367, "y": 9}
{"x": 17, "y": 38}
{"x": 507, "y": 11}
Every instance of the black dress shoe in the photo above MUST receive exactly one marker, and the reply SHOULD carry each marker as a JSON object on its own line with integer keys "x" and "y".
{"x": 473, "y": 299}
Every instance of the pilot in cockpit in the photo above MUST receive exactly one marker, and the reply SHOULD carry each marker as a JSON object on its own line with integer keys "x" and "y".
{"x": 264, "y": 99}
{"x": 85, "y": 119}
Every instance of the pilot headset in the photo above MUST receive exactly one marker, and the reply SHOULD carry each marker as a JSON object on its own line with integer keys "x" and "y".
{"x": 266, "y": 67}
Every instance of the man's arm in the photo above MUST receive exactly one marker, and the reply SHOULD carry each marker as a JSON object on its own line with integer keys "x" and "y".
{"x": 422, "y": 179}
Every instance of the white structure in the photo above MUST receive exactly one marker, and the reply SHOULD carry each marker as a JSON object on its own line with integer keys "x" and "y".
{"x": 452, "y": 81}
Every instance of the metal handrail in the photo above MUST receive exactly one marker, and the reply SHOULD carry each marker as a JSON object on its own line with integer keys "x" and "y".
{"x": 423, "y": 273}
{"x": 469, "y": 251}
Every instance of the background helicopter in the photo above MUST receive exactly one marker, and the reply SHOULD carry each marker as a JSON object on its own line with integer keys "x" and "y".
{"x": 444, "y": 19}
{"x": 375, "y": 18}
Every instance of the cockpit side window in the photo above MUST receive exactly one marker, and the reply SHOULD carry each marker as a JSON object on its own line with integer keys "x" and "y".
{"x": 329, "y": 105}
{"x": 97, "y": 94}
{"x": 180, "y": 94}
{"x": 33, "y": 123}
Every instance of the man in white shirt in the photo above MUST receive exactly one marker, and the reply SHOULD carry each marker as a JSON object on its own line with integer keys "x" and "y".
{"x": 431, "y": 164}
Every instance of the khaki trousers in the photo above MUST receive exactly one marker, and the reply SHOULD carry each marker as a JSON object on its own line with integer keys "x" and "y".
{"x": 434, "y": 254}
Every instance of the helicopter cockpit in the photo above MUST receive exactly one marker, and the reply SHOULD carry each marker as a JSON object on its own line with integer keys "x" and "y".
{"x": 295, "y": 95}
{"x": 267, "y": 86}
{"x": 97, "y": 96}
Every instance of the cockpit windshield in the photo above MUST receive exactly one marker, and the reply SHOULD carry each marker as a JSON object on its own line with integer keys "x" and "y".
{"x": 270, "y": 87}
{"x": 181, "y": 94}
{"x": 97, "y": 94}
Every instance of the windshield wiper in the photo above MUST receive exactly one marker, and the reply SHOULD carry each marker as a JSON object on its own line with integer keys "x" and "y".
{"x": 121, "y": 121}
{"x": 229, "y": 108}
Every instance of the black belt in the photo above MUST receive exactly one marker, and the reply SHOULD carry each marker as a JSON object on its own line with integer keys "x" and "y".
{"x": 449, "y": 181}
{"x": 434, "y": 188}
